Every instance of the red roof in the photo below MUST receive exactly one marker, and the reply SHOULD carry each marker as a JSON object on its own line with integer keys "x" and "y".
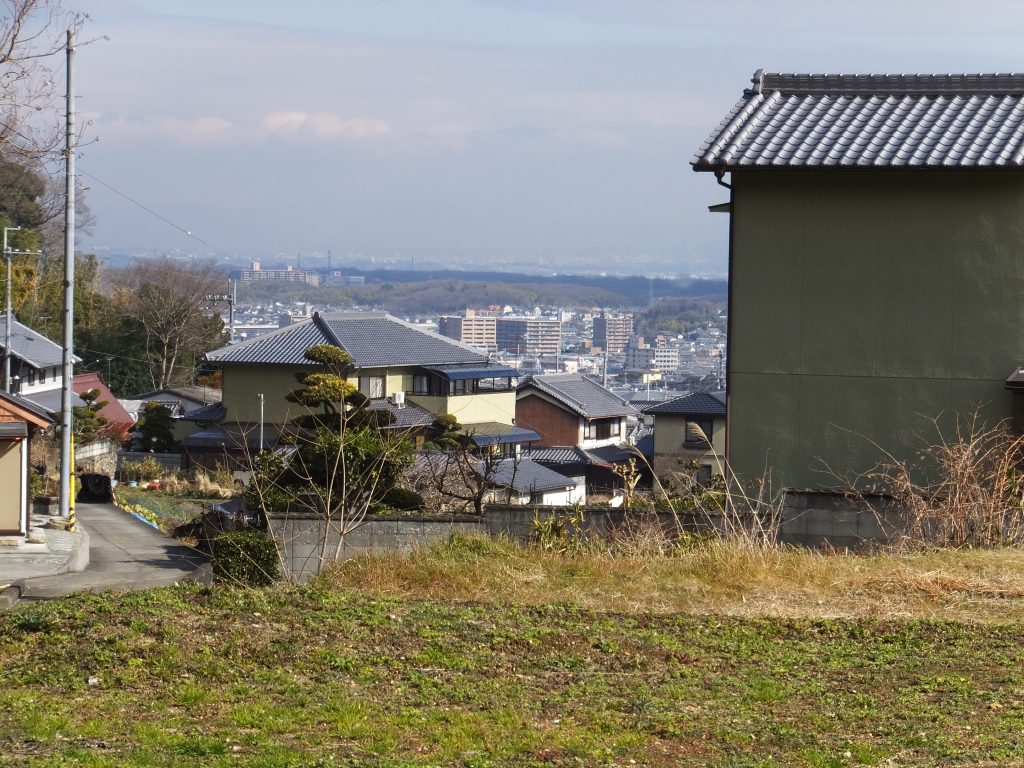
{"x": 113, "y": 412}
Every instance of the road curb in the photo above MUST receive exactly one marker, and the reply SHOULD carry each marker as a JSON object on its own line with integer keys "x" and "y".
{"x": 9, "y": 596}
{"x": 79, "y": 558}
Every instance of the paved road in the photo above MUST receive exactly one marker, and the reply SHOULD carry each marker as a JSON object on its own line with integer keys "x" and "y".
{"x": 124, "y": 554}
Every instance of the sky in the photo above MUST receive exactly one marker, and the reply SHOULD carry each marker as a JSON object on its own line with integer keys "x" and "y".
{"x": 552, "y": 135}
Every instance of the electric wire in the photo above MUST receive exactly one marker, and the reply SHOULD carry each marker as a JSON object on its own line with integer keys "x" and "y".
{"x": 150, "y": 211}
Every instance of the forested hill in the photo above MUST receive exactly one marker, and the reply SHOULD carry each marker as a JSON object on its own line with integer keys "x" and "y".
{"x": 421, "y": 292}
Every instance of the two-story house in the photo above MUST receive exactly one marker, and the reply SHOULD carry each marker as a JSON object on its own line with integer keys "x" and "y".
{"x": 583, "y": 428}
{"x": 689, "y": 429}
{"x": 36, "y": 366}
{"x": 875, "y": 269}
{"x": 414, "y": 374}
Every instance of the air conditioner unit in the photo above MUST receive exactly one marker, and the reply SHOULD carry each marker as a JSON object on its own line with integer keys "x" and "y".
{"x": 398, "y": 398}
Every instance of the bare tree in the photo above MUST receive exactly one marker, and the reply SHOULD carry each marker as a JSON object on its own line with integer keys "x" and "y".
{"x": 463, "y": 478}
{"x": 167, "y": 298}
{"x": 31, "y": 33}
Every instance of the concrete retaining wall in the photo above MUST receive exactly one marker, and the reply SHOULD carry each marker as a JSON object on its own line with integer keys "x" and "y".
{"x": 819, "y": 520}
{"x": 300, "y": 537}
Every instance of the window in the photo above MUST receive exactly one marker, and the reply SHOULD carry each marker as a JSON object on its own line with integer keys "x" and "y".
{"x": 420, "y": 384}
{"x": 457, "y": 387}
{"x": 31, "y": 376}
{"x": 602, "y": 430}
{"x": 698, "y": 433}
{"x": 372, "y": 386}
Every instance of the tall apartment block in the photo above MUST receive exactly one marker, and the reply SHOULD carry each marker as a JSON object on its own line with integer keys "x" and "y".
{"x": 476, "y": 330}
{"x": 529, "y": 335}
{"x": 613, "y": 331}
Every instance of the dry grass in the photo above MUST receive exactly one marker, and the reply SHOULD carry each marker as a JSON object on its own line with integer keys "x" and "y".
{"x": 712, "y": 577}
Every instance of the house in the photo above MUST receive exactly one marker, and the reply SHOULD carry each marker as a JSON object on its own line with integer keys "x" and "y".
{"x": 36, "y": 366}
{"x": 460, "y": 481}
{"x": 583, "y": 428}
{"x": 689, "y": 429}
{"x": 571, "y": 409}
{"x": 414, "y": 374}
{"x": 120, "y": 420}
{"x": 181, "y": 401}
{"x": 20, "y": 418}
{"x": 875, "y": 269}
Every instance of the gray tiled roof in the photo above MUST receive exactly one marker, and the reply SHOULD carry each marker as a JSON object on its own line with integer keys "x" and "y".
{"x": 580, "y": 394}
{"x": 526, "y": 476}
{"x": 693, "y": 404}
{"x": 34, "y": 348}
{"x": 50, "y": 400}
{"x": 380, "y": 340}
{"x": 408, "y": 416}
{"x": 286, "y": 346}
{"x": 373, "y": 339}
{"x": 871, "y": 121}
{"x": 568, "y": 454}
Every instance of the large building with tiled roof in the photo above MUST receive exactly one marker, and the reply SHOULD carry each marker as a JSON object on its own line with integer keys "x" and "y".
{"x": 413, "y": 374}
{"x": 875, "y": 266}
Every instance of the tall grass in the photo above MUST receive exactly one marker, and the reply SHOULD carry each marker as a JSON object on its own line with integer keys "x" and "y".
{"x": 709, "y": 576}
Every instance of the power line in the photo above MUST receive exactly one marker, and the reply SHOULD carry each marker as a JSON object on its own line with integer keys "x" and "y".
{"x": 150, "y": 211}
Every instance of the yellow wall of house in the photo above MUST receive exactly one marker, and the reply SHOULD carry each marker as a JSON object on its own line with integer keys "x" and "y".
{"x": 476, "y": 408}
{"x": 11, "y": 479}
{"x": 670, "y": 438}
{"x": 242, "y": 384}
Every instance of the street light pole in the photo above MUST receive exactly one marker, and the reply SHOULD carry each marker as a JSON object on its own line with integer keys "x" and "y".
{"x": 7, "y": 329}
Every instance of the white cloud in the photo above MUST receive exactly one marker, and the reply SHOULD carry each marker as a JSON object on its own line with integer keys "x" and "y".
{"x": 284, "y": 122}
{"x": 325, "y": 126}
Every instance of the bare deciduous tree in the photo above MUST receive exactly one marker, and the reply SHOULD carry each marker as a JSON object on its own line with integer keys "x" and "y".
{"x": 462, "y": 478}
{"x": 167, "y": 299}
{"x": 31, "y": 33}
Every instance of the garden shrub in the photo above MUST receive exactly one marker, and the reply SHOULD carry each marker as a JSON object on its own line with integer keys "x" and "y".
{"x": 247, "y": 558}
{"x": 403, "y": 499}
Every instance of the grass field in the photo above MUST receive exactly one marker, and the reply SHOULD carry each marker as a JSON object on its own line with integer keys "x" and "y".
{"x": 375, "y": 665}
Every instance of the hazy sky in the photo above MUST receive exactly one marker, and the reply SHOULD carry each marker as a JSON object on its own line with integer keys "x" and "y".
{"x": 550, "y": 132}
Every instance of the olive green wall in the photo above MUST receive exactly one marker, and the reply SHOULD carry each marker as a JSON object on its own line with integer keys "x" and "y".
{"x": 865, "y": 305}
{"x": 241, "y": 384}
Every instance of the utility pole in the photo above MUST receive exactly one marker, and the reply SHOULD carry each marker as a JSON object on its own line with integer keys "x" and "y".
{"x": 230, "y": 299}
{"x": 66, "y": 470}
{"x": 7, "y": 330}
{"x": 260, "y": 397}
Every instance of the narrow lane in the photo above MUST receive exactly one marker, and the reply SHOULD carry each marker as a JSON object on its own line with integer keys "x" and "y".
{"x": 124, "y": 554}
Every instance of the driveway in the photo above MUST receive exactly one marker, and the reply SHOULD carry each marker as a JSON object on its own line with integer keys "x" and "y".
{"x": 124, "y": 554}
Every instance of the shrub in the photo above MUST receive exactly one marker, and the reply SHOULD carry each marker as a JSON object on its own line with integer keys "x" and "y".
{"x": 247, "y": 558}
{"x": 150, "y": 469}
{"x": 403, "y": 499}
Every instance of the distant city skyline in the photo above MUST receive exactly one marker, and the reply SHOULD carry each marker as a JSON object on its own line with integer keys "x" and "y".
{"x": 550, "y": 135}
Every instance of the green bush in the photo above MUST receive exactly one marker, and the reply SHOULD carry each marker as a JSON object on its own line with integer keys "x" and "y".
{"x": 403, "y": 499}
{"x": 247, "y": 558}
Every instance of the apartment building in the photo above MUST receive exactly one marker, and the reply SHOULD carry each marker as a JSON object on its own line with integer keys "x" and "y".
{"x": 612, "y": 331}
{"x": 478, "y": 331}
{"x": 528, "y": 335}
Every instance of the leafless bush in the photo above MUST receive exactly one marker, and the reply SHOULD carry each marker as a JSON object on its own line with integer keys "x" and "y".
{"x": 967, "y": 490}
